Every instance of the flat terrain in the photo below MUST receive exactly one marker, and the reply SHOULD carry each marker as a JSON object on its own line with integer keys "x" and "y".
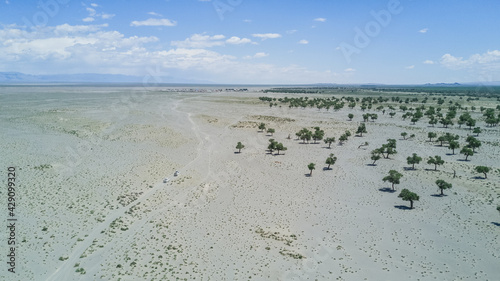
{"x": 92, "y": 204}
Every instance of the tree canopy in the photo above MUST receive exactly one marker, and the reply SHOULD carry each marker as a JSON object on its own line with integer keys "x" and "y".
{"x": 483, "y": 169}
{"x": 414, "y": 159}
{"x": 407, "y": 195}
{"x": 393, "y": 177}
{"x": 443, "y": 185}
{"x": 239, "y": 146}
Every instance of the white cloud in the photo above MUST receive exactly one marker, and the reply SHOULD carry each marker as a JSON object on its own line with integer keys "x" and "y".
{"x": 488, "y": 60}
{"x": 410, "y": 67}
{"x": 107, "y": 16}
{"x": 256, "y": 56}
{"x": 154, "y": 14}
{"x": 91, "y": 49}
{"x": 247, "y": 20}
{"x": 207, "y": 41}
{"x": 91, "y": 12}
{"x": 200, "y": 41}
{"x": 62, "y": 42}
{"x": 238, "y": 41}
{"x": 349, "y": 70}
{"x": 154, "y": 22}
{"x": 303, "y": 41}
{"x": 428, "y": 62}
{"x": 265, "y": 36}
{"x": 65, "y": 29}
{"x": 320, "y": 19}
{"x": 424, "y": 30}
{"x": 260, "y": 55}
{"x": 291, "y": 31}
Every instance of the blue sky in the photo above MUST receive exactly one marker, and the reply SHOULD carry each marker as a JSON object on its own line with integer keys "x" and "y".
{"x": 258, "y": 41}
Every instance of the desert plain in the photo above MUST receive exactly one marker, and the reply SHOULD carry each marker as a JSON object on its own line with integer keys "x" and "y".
{"x": 92, "y": 202}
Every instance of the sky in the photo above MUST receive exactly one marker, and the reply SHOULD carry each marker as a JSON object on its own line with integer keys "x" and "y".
{"x": 256, "y": 41}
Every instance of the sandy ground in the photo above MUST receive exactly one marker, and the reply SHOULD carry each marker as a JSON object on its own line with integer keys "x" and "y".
{"x": 92, "y": 204}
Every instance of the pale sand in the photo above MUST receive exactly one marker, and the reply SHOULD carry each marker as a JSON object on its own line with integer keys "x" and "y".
{"x": 231, "y": 216}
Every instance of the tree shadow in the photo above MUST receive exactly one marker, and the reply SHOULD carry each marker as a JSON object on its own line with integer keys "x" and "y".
{"x": 307, "y": 175}
{"x": 409, "y": 169}
{"x": 495, "y": 223}
{"x": 402, "y": 207}
{"x": 432, "y": 170}
{"x": 479, "y": 178}
{"x": 439, "y": 195}
{"x": 387, "y": 189}
{"x": 371, "y": 164}
{"x": 463, "y": 160}
{"x": 326, "y": 168}
{"x": 450, "y": 154}
{"x": 236, "y": 152}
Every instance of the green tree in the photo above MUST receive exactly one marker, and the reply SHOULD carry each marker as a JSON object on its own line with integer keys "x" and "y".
{"x": 473, "y": 143}
{"x": 467, "y": 152}
{"x": 343, "y": 138}
{"x": 453, "y": 145}
{"x": 280, "y": 147}
{"x": 443, "y": 185}
{"x": 477, "y": 131}
{"x": 361, "y": 129}
{"x": 412, "y": 160}
{"x": 471, "y": 123}
{"x": 441, "y": 139}
{"x": 407, "y": 195}
{"x": 433, "y": 121}
{"x": 375, "y": 156}
{"x": 431, "y": 135}
{"x": 389, "y": 148}
{"x": 262, "y": 127}
{"x": 318, "y": 134}
{"x": 330, "y": 160}
{"x": 272, "y": 145}
{"x": 446, "y": 122}
{"x": 271, "y": 131}
{"x": 436, "y": 161}
{"x": 483, "y": 169}
{"x": 392, "y": 114}
{"x": 329, "y": 141}
{"x": 393, "y": 178}
{"x": 311, "y": 167}
{"x": 239, "y": 146}
{"x": 404, "y": 134}
{"x": 304, "y": 135}
{"x": 350, "y": 115}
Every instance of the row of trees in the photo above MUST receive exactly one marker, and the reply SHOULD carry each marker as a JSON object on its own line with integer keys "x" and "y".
{"x": 433, "y": 113}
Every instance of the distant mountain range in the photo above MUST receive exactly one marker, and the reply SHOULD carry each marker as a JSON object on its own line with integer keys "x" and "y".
{"x": 17, "y": 77}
